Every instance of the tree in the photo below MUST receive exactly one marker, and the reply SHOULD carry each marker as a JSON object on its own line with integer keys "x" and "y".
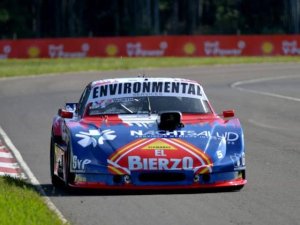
{"x": 79, "y": 18}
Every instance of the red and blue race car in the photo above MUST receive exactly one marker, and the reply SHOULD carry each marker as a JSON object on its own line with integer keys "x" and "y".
{"x": 146, "y": 133}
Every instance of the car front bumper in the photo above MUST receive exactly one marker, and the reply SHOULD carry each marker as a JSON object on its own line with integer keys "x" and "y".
{"x": 160, "y": 181}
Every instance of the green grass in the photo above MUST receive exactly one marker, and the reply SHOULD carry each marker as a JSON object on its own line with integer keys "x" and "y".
{"x": 17, "y": 67}
{"x": 21, "y": 204}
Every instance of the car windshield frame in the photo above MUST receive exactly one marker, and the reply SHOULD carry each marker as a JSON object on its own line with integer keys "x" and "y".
{"x": 148, "y": 105}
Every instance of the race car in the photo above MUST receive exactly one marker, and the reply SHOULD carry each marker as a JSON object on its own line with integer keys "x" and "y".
{"x": 146, "y": 133}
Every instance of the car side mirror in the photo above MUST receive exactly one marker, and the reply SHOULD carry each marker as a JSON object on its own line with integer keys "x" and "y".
{"x": 228, "y": 113}
{"x": 71, "y": 107}
{"x": 65, "y": 114}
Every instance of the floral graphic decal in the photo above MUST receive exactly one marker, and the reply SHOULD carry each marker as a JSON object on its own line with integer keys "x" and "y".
{"x": 95, "y": 136}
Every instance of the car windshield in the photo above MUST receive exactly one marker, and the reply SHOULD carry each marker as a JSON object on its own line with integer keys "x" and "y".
{"x": 151, "y": 104}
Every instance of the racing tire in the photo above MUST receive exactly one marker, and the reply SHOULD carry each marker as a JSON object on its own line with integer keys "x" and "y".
{"x": 68, "y": 176}
{"x": 55, "y": 180}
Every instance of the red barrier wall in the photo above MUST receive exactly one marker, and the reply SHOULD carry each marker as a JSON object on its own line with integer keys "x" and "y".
{"x": 155, "y": 46}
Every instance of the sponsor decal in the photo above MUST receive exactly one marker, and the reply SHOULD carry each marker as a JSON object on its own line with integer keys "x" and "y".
{"x": 33, "y": 52}
{"x": 142, "y": 121}
{"x": 145, "y": 124}
{"x": 267, "y": 47}
{"x": 111, "y": 50}
{"x": 5, "y": 52}
{"x": 94, "y": 137}
{"x": 57, "y": 51}
{"x": 230, "y": 137}
{"x": 79, "y": 164}
{"x": 159, "y": 154}
{"x": 189, "y": 48}
{"x": 238, "y": 160}
{"x": 212, "y": 48}
{"x": 156, "y": 145}
{"x": 135, "y": 49}
{"x": 140, "y": 89}
{"x": 138, "y": 163}
{"x": 290, "y": 48}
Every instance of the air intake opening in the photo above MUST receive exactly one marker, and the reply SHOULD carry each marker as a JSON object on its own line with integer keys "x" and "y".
{"x": 162, "y": 177}
{"x": 169, "y": 121}
{"x": 206, "y": 177}
{"x": 117, "y": 179}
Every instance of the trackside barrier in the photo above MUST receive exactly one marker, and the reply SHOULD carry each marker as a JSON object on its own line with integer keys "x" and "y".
{"x": 152, "y": 46}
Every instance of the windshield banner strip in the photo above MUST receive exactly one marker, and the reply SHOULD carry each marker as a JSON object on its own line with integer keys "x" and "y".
{"x": 141, "y": 89}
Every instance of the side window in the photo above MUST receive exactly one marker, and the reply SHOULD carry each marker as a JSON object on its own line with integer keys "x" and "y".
{"x": 83, "y": 99}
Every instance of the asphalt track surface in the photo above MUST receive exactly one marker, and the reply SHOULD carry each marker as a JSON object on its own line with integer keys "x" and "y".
{"x": 267, "y": 101}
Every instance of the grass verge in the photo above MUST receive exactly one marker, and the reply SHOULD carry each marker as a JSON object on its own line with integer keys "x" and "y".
{"x": 17, "y": 67}
{"x": 21, "y": 204}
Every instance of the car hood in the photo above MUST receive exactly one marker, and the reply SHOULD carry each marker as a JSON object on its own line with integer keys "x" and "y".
{"x": 126, "y": 143}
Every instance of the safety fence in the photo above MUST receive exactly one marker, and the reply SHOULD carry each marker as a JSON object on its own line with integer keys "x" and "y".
{"x": 152, "y": 46}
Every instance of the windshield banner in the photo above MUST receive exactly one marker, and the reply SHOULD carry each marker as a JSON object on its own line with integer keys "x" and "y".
{"x": 144, "y": 89}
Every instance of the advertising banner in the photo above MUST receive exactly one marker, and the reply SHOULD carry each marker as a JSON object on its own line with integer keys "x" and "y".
{"x": 153, "y": 46}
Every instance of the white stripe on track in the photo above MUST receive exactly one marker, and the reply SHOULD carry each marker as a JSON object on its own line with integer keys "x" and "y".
{"x": 31, "y": 176}
{"x": 238, "y": 83}
{"x": 9, "y": 165}
{"x": 6, "y": 155}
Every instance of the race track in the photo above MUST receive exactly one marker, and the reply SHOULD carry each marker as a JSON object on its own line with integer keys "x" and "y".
{"x": 266, "y": 98}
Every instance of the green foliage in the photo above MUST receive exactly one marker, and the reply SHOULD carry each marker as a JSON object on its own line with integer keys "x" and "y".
{"x": 4, "y": 16}
{"x": 165, "y": 5}
{"x": 80, "y": 18}
{"x": 16, "y": 19}
{"x": 227, "y": 17}
{"x": 21, "y": 204}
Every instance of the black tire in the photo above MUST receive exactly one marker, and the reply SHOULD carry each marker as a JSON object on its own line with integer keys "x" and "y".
{"x": 233, "y": 188}
{"x": 56, "y": 181}
{"x": 69, "y": 177}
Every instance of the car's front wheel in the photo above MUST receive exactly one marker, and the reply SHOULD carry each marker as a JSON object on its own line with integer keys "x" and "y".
{"x": 68, "y": 176}
{"x": 56, "y": 181}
